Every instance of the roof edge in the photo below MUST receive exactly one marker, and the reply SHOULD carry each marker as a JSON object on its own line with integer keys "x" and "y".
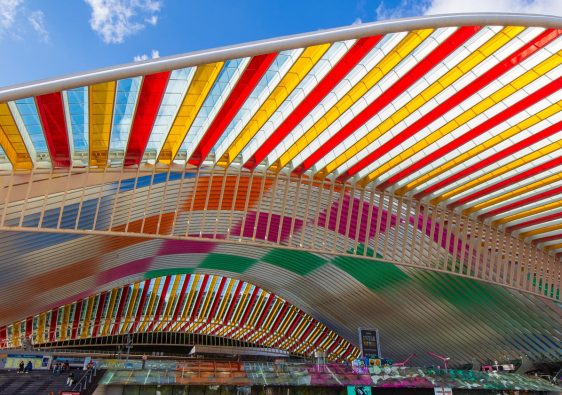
{"x": 167, "y": 63}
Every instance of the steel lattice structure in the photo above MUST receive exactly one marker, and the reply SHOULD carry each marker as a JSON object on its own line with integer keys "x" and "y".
{"x": 430, "y": 143}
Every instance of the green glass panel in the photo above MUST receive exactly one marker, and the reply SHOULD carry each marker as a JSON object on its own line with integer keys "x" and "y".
{"x": 229, "y": 263}
{"x": 299, "y": 262}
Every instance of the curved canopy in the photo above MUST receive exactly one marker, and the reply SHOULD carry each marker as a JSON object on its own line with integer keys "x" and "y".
{"x": 463, "y": 111}
{"x": 198, "y": 303}
{"x": 431, "y": 143}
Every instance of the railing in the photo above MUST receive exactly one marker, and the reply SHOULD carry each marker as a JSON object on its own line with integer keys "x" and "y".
{"x": 86, "y": 379}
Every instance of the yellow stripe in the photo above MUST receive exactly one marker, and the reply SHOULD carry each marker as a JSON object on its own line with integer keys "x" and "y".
{"x": 109, "y": 315}
{"x": 16, "y": 334}
{"x": 512, "y": 131}
{"x": 132, "y": 300}
{"x": 471, "y": 61}
{"x": 185, "y": 312}
{"x": 272, "y": 312}
{"x": 40, "y": 338}
{"x": 257, "y": 307}
{"x": 517, "y": 192}
{"x": 148, "y": 315}
{"x": 288, "y": 319}
{"x": 85, "y": 326}
{"x": 533, "y": 211}
{"x": 165, "y": 317}
{"x": 302, "y": 66}
{"x": 64, "y": 322}
{"x": 101, "y": 99}
{"x": 241, "y": 303}
{"x": 224, "y": 301}
{"x": 12, "y": 141}
{"x": 535, "y": 232}
{"x": 553, "y": 247}
{"x": 208, "y": 298}
{"x": 202, "y": 82}
{"x": 407, "y": 45}
{"x": 497, "y": 172}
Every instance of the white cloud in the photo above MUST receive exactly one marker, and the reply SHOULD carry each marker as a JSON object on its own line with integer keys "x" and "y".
{"x": 547, "y": 7}
{"x": 37, "y": 21}
{"x": 8, "y": 11}
{"x": 432, "y": 7}
{"x": 155, "y": 54}
{"x": 114, "y": 20}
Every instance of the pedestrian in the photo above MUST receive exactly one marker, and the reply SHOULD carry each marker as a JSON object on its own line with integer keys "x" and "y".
{"x": 28, "y": 367}
{"x": 21, "y": 367}
{"x": 70, "y": 379}
{"x": 144, "y": 359}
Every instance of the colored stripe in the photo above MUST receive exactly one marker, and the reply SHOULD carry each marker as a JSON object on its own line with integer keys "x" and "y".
{"x": 488, "y": 160}
{"x": 76, "y": 321}
{"x": 443, "y": 50}
{"x": 202, "y": 82}
{"x": 255, "y": 70}
{"x": 517, "y": 192}
{"x": 181, "y": 298}
{"x": 119, "y": 315}
{"x": 355, "y": 54}
{"x": 150, "y": 96}
{"x": 467, "y": 64}
{"x": 142, "y": 301}
{"x": 53, "y": 325}
{"x": 533, "y": 222}
{"x": 288, "y": 83}
{"x": 546, "y": 229}
{"x": 160, "y": 305}
{"x": 11, "y": 140}
{"x": 218, "y": 299}
{"x": 528, "y": 213}
{"x": 101, "y": 99}
{"x": 377, "y": 73}
{"x": 109, "y": 313}
{"x": 130, "y": 308}
{"x": 527, "y": 174}
{"x": 523, "y": 202}
{"x": 477, "y": 109}
{"x": 51, "y": 112}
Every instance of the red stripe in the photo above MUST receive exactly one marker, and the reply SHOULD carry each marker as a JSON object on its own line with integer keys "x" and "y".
{"x": 160, "y": 303}
{"x": 547, "y": 238}
{"x": 265, "y": 311}
{"x": 150, "y": 96}
{"x": 281, "y": 316}
{"x": 357, "y": 52}
{"x": 535, "y": 221}
{"x": 241, "y": 91}
{"x": 28, "y": 327}
{"x": 495, "y": 72}
{"x": 180, "y": 302}
{"x": 140, "y": 308}
{"x": 98, "y": 314}
{"x": 217, "y": 300}
{"x": 235, "y": 297}
{"x": 477, "y": 131}
{"x": 51, "y": 112}
{"x": 509, "y": 181}
{"x": 124, "y": 295}
{"x": 3, "y": 336}
{"x": 249, "y": 306}
{"x": 520, "y": 203}
{"x": 512, "y": 149}
{"x": 200, "y": 293}
{"x": 53, "y": 324}
{"x": 77, "y": 314}
{"x": 452, "y": 43}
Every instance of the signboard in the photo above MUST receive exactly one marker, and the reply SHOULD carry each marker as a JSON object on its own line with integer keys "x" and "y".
{"x": 443, "y": 391}
{"x": 358, "y": 390}
{"x": 369, "y": 343}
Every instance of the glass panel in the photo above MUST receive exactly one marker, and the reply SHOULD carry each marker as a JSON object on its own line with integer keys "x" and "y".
{"x": 125, "y": 100}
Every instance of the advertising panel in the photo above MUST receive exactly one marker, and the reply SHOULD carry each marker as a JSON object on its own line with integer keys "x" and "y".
{"x": 369, "y": 343}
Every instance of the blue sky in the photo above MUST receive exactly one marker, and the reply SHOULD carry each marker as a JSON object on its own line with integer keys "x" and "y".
{"x": 47, "y": 38}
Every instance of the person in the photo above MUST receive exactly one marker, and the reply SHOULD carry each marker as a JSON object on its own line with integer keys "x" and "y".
{"x": 144, "y": 358}
{"x": 21, "y": 367}
{"x": 70, "y": 379}
{"x": 28, "y": 367}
